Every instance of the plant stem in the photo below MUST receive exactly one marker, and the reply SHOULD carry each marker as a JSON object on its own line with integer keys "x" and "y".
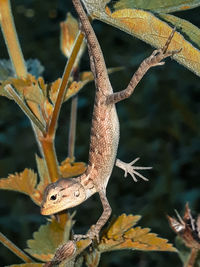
{"x": 63, "y": 85}
{"x": 17, "y": 251}
{"x": 48, "y": 149}
{"x": 72, "y": 128}
{"x": 192, "y": 258}
{"x": 11, "y": 39}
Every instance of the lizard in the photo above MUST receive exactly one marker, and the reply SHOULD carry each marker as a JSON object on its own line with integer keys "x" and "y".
{"x": 104, "y": 137}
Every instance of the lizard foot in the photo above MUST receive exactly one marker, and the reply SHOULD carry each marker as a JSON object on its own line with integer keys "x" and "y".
{"x": 129, "y": 168}
{"x": 159, "y": 54}
{"x": 92, "y": 234}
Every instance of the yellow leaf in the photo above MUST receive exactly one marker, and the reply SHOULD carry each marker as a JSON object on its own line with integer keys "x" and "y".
{"x": 54, "y": 90}
{"x": 151, "y": 29}
{"x": 69, "y": 30}
{"x": 82, "y": 245}
{"x": 147, "y": 27}
{"x": 74, "y": 88}
{"x": 121, "y": 225}
{"x": 24, "y": 182}
{"x": 70, "y": 169}
{"x": 120, "y": 236}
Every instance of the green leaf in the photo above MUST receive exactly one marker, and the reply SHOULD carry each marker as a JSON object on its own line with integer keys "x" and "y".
{"x": 160, "y": 6}
{"x": 48, "y": 238}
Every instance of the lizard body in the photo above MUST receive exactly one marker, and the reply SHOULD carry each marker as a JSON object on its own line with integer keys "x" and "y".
{"x": 104, "y": 138}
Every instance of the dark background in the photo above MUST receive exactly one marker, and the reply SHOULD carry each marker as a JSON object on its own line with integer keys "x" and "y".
{"x": 159, "y": 123}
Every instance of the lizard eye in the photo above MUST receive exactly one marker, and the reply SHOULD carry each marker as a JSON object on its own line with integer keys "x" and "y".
{"x": 53, "y": 197}
{"x": 77, "y": 194}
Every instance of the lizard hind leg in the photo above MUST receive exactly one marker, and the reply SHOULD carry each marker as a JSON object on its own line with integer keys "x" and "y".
{"x": 155, "y": 59}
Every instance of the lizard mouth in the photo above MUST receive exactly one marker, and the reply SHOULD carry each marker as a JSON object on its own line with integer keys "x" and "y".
{"x": 51, "y": 210}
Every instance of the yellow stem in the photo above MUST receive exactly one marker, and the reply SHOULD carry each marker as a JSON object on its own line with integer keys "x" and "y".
{"x": 63, "y": 85}
{"x": 17, "y": 251}
{"x": 47, "y": 141}
{"x": 72, "y": 128}
{"x": 11, "y": 39}
{"x": 192, "y": 258}
{"x": 48, "y": 150}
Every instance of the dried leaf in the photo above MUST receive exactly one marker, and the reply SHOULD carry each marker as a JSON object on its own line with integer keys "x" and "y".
{"x": 187, "y": 228}
{"x": 54, "y": 90}
{"x": 120, "y": 236}
{"x": 47, "y": 239}
{"x": 69, "y": 30}
{"x": 160, "y": 6}
{"x": 27, "y": 88}
{"x": 74, "y": 88}
{"x": 29, "y": 92}
{"x": 70, "y": 169}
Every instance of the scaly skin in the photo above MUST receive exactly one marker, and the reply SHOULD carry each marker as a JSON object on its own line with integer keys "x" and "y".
{"x": 104, "y": 138}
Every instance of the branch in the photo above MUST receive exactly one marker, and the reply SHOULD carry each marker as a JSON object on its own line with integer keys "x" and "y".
{"x": 17, "y": 251}
{"x": 63, "y": 85}
{"x": 11, "y": 39}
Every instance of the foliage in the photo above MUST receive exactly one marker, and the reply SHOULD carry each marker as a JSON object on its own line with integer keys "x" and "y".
{"x": 38, "y": 100}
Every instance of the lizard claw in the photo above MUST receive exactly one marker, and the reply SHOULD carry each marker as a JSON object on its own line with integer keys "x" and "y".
{"x": 129, "y": 168}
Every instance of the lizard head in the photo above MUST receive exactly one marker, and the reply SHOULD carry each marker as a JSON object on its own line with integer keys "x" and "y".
{"x": 63, "y": 194}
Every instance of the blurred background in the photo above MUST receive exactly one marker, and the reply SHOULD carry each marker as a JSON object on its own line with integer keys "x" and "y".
{"x": 159, "y": 123}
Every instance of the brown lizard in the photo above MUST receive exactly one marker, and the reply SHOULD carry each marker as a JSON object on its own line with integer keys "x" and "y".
{"x": 104, "y": 138}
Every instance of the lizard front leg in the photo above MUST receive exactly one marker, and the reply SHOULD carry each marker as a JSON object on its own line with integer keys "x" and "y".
{"x": 94, "y": 230}
{"x": 154, "y": 60}
{"x": 132, "y": 170}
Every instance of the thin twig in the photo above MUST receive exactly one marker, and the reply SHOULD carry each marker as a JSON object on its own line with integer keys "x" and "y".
{"x": 63, "y": 85}
{"x": 72, "y": 128}
{"x": 11, "y": 91}
{"x": 192, "y": 258}
{"x": 17, "y": 251}
{"x": 11, "y": 39}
